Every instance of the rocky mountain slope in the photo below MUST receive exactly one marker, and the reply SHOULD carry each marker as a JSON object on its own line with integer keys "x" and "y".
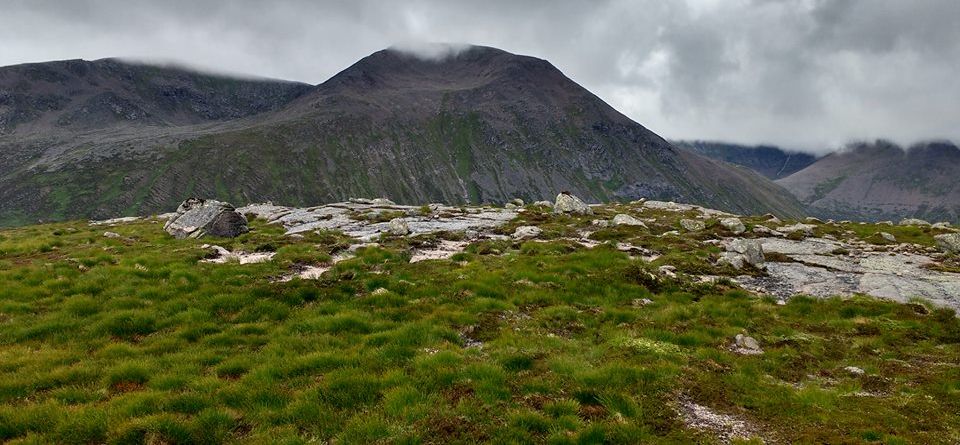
{"x": 482, "y": 125}
{"x": 880, "y": 180}
{"x": 772, "y": 162}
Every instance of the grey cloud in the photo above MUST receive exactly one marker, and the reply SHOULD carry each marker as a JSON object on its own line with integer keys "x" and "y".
{"x": 808, "y": 74}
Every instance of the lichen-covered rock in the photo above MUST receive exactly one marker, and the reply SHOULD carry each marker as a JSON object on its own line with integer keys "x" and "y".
{"x": 398, "y": 226}
{"x": 914, "y": 222}
{"x": 692, "y": 225}
{"x": 750, "y": 251}
{"x": 622, "y": 219}
{"x": 526, "y": 232}
{"x": 567, "y": 203}
{"x": 949, "y": 242}
{"x": 807, "y": 229}
{"x": 734, "y": 225}
{"x": 197, "y": 218}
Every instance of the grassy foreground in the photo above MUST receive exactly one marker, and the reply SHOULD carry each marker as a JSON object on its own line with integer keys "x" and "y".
{"x": 131, "y": 340}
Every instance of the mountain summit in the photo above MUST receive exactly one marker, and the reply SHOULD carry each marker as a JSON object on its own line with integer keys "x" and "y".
{"x": 473, "y": 125}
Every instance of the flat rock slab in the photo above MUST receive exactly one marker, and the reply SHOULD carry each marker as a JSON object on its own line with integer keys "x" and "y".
{"x": 353, "y": 219}
{"x": 815, "y": 272}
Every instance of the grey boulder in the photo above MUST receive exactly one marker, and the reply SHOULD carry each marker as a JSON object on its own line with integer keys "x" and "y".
{"x": 567, "y": 203}
{"x": 949, "y": 242}
{"x": 734, "y": 225}
{"x": 196, "y": 218}
{"x": 622, "y": 219}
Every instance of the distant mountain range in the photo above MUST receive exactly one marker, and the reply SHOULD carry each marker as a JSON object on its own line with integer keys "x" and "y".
{"x": 770, "y": 161}
{"x": 863, "y": 181}
{"x": 880, "y": 180}
{"x": 109, "y": 138}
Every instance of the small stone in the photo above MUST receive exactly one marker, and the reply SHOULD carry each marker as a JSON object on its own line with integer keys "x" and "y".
{"x": 600, "y": 223}
{"x": 747, "y": 345}
{"x": 526, "y": 232}
{"x": 854, "y": 370}
{"x": 379, "y": 292}
{"x": 398, "y": 226}
{"x": 622, "y": 219}
{"x": 887, "y": 236}
{"x": 544, "y": 204}
{"x": 668, "y": 270}
{"x": 692, "y": 225}
{"x": 734, "y": 225}
{"x": 510, "y": 206}
{"x": 111, "y": 235}
{"x": 640, "y": 302}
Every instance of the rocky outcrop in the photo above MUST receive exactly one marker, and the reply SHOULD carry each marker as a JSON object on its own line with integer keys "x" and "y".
{"x": 197, "y": 218}
{"x": 822, "y": 267}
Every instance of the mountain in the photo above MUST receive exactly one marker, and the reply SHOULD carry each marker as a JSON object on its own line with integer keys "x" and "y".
{"x": 770, "y": 161}
{"x": 478, "y": 125}
{"x": 880, "y": 180}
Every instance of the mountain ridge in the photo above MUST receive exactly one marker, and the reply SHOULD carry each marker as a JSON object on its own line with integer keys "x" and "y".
{"x": 882, "y": 180}
{"x": 483, "y": 125}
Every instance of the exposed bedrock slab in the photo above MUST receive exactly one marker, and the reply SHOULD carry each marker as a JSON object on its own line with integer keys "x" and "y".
{"x": 817, "y": 270}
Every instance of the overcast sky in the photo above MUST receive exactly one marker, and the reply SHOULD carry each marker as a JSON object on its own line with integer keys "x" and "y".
{"x": 804, "y": 74}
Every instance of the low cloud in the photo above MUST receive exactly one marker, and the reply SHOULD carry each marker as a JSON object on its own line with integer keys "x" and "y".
{"x": 432, "y": 51}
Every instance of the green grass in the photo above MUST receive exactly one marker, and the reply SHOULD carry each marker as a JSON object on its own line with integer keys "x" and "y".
{"x": 131, "y": 340}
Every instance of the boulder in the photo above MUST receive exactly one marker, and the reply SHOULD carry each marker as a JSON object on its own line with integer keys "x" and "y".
{"x": 197, "y": 218}
{"x": 397, "y": 226}
{"x": 544, "y": 204}
{"x": 948, "y": 242}
{"x": 692, "y": 225}
{"x": 914, "y": 222}
{"x": 111, "y": 235}
{"x": 567, "y": 203}
{"x": 517, "y": 202}
{"x": 622, "y": 219}
{"x": 888, "y": 237}
{"x": 734, "y": 225}
{"x": 526, "y": 232}
{"x": 942, "y": 225}
{"x": 750, "y": 252}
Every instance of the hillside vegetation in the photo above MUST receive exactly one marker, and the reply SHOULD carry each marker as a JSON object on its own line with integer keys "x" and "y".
{"x": 130, "y": 338}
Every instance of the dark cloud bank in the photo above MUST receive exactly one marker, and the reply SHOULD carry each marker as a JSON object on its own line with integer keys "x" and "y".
{"x": 805, "y": 74}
